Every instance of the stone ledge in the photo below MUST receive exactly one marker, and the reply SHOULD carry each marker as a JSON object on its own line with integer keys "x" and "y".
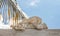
{"x": 30, "y": 32}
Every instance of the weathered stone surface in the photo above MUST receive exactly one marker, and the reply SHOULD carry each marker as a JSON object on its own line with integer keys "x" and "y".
{"x": 32, "y": 22}
{"x": 30, "y": 32}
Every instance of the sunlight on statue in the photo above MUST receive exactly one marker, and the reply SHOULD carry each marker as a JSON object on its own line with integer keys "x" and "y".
{"x": 31, "y": 23}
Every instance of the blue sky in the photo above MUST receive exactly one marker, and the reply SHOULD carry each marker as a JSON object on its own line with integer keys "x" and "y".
{"x": 48, "y": 10}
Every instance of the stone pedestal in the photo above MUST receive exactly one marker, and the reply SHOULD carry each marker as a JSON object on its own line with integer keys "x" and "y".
{"x": 30, "y": 32}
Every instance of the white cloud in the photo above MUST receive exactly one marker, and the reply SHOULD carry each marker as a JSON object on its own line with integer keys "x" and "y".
{"x": 28, "y": 3}
{"x": 34, "y": 2}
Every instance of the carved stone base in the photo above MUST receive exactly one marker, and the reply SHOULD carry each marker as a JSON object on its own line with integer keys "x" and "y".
{"x": 30, "y": 32}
